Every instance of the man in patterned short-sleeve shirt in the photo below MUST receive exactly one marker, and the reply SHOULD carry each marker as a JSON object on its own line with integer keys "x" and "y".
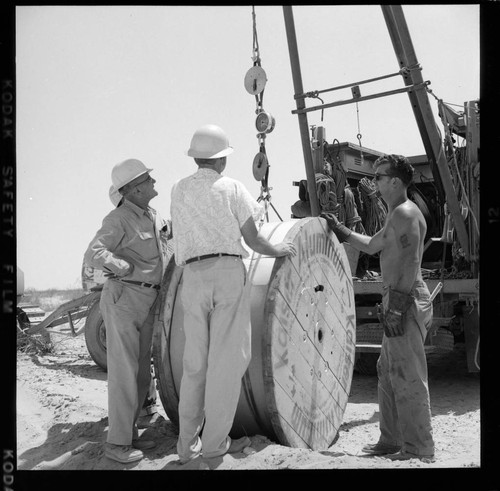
{"x": 210, "y": 214}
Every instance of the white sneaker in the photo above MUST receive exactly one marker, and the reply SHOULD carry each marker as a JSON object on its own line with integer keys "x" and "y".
{"x": 194, "y": 453}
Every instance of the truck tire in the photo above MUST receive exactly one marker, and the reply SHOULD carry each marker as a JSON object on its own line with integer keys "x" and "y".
{"x": 95, "y": 336}
{"x": 366, "y": 363}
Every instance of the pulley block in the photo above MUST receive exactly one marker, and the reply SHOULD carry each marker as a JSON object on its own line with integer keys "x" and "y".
{"x": 260, "y": 165}
{"x": 255, "y": 80}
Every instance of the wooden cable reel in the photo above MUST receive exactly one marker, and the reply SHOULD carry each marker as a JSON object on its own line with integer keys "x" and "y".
{"x": 303, "y": 318}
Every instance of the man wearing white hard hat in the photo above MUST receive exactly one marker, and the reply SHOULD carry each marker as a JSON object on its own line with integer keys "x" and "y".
{"x": 115, "y": 196}
{"x": 149, "y": 413}
{"x": 210, "y": 214}
{"x": 131, "y": 249}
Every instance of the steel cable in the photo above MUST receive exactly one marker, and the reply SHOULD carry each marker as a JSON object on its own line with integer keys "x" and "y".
{"x": 374, "y": 207}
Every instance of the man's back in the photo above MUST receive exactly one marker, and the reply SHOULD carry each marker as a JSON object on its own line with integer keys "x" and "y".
{"x": 208, "y": 211}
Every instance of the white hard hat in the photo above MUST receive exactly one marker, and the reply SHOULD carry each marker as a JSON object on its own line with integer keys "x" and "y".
{"x": 127, "y": 171}
{"x": 115, "y": 196}
{"x": 209, "y": 142}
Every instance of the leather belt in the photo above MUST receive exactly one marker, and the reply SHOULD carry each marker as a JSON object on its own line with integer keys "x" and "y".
{"x": 140, "y": 283}
{"x": 208, "y": 256}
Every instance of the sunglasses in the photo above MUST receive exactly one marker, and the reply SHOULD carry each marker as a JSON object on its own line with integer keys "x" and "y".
{"x": 378, "y": 176}
{"x": 148, "y": 178}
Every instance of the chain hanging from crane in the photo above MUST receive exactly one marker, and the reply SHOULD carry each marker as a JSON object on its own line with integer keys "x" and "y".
{"x": 255, "y": 83}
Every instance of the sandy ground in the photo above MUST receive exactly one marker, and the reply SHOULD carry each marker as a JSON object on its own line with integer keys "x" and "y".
{"x": 62, "y": 421}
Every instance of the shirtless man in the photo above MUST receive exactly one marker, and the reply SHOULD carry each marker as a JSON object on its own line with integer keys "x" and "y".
{"x": 406, "y": 315}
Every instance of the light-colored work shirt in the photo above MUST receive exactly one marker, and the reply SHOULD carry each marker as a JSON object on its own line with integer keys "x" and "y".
{"x": 207, "y": 212}
{"x": 131, "y": 236}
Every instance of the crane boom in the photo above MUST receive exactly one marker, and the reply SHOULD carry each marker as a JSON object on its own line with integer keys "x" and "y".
{"x": 405, "y": 53}
{"x": 303, "y": 125}
{"x": 417, "y": 93}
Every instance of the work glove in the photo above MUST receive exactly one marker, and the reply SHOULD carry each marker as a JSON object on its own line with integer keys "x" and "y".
{"x": 338, "y": 228}
{"x": 388, "y": 331}
{"x": 392, "y": 318}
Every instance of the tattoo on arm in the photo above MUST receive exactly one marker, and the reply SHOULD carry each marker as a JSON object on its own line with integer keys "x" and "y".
{"x": 405, "y": 241}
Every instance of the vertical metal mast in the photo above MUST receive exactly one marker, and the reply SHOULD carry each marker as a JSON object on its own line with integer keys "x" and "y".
{"x": 303, "y": 124}
{"x": 405, "y": 53}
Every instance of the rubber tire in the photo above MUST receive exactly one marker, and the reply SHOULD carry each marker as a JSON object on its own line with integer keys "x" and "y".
{"x": 366, "y": 363}
{"x": 23, "y": 321}
{"x": 444, "y": 340}
{"x": 95, "y": 336}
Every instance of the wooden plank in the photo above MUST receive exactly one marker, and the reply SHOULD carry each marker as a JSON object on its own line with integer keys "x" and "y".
{"x": 87, "y": 299}
{"x": 79, "y": 314}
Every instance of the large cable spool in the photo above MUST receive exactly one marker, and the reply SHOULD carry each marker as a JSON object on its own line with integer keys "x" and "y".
{"x": 303, "y": 318}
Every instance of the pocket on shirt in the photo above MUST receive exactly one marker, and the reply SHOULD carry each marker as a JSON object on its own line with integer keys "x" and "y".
{"x": 143, "y": 247}
{"x": 137, "y": 241}
{"x": 146, "y": 235}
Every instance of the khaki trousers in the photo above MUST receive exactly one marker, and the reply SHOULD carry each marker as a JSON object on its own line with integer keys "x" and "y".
{"x": 403, "y": 390}
{"x": 128, "y": 313}
{"x": 149, "y": 404}
{"x": 216, "y": 353}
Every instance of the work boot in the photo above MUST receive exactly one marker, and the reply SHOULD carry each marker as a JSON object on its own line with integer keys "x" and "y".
{"x": 401, "y": 455}
{"x": 143, "y": 444}
{"x": 124, "y": 454}
{"x": 147, "y": 420}
{"x": 238, "y": 445}
{"x": 235, "y": 446}
{"x": 380, "y": 448}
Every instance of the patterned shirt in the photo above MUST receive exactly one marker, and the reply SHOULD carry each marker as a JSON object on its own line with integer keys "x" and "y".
{"x": 208, "y": 211}
{"x": 131, "y": 235}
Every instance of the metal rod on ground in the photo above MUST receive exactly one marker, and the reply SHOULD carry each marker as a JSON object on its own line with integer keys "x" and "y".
{"x": 303, "y": 125}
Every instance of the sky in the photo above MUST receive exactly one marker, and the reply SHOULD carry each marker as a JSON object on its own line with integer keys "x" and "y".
{"x": 100, "y": 84}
